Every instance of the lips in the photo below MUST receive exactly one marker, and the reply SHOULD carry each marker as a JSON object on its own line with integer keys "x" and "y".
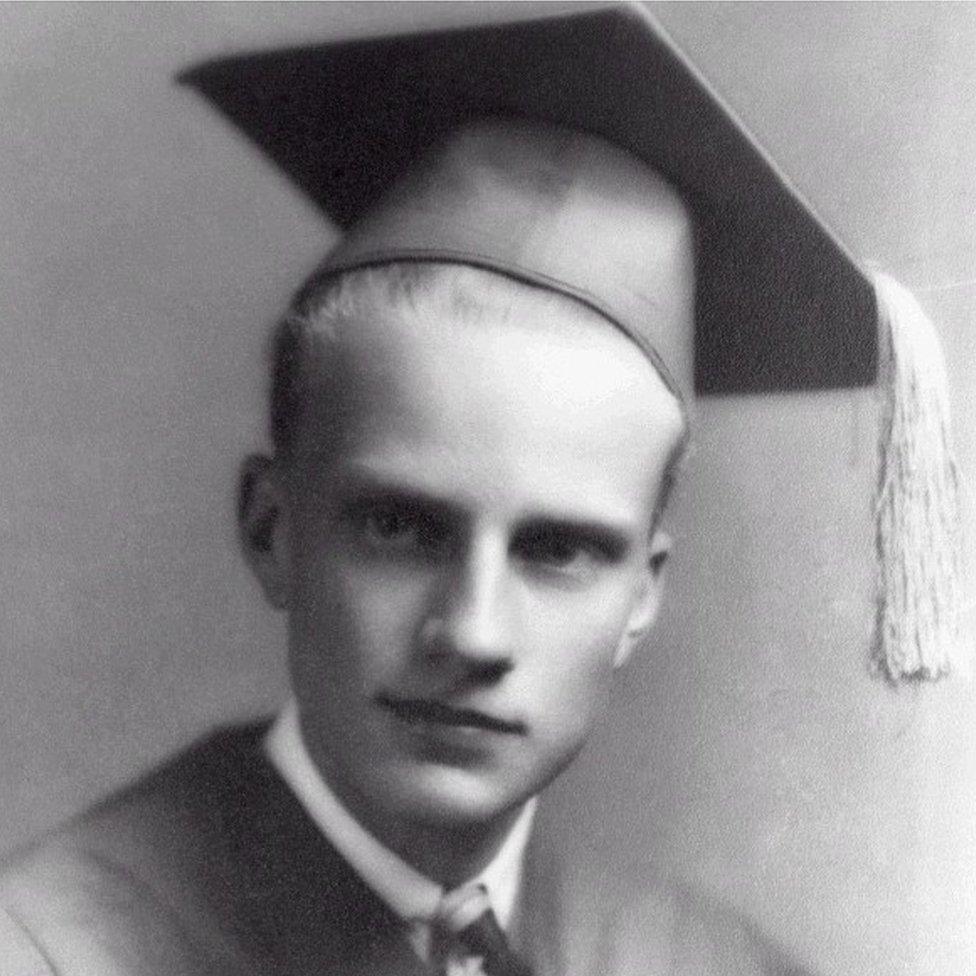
{"x": 428, "y": 712}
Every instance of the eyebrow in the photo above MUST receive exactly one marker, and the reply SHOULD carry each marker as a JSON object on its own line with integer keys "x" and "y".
{"x": 614, "y": 537}
{"x": 612, "y": 540}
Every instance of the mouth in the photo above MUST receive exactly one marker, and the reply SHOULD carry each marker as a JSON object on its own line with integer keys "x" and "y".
{"x": 428, "y": 712}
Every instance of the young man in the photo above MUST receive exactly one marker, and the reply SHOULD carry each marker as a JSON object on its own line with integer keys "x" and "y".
{"x": 478, "y": 403}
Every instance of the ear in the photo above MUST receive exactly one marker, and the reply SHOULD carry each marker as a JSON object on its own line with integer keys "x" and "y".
{"x": 262, "y": 523}
{"x": 648, "y": 601}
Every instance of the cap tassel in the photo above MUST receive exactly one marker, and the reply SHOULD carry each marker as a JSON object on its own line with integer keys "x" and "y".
{"x": 917, "y": 505}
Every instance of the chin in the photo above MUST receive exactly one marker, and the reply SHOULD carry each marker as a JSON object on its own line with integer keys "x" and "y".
{"x": 452, "y": 798}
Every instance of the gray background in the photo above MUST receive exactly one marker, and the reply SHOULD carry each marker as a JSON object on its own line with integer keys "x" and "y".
{"x": 144, "y": 250}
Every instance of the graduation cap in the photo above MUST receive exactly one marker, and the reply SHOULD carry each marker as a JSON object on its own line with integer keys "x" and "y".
{"x": 537, "y": 149}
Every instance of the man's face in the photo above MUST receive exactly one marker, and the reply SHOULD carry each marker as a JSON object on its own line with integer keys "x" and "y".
{"x": 468, "y": 555}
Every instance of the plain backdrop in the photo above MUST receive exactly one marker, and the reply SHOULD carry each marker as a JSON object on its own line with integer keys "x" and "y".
{"x": 144, "y": 251}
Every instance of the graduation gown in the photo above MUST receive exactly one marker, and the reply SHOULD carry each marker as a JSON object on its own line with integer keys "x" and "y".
{"x": 210, "y": 867}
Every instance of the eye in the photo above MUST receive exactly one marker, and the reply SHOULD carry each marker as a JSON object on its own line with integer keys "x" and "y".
{"x": 561, "y": 551}
{"x": 397, "y": 529}
{"x": 549, "y": 547}
{"x": 387, "y": 525}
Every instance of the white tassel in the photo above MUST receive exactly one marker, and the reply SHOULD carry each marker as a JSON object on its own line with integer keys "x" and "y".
{"x": 917, "y": 504}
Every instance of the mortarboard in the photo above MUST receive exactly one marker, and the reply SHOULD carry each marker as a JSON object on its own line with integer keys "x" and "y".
{"x": 528, "y": 148}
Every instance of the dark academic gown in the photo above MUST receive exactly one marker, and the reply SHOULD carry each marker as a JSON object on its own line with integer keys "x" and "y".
{"x": 210, "y": 867}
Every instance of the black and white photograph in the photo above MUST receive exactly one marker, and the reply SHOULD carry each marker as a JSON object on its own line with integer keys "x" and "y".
{"x": 487, "y": 488}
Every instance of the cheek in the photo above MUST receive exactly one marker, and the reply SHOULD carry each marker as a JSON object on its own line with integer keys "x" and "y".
{"x": 574, "y": 700}
{"x": 572, "y": 662}
{"x": 346, "y": 619}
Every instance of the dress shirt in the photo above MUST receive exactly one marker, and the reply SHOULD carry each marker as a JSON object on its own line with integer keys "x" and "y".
{"x": 410, "y": 894}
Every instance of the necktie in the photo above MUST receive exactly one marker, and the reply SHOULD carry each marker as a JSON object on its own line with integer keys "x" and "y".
{"x": 468, "y": 931}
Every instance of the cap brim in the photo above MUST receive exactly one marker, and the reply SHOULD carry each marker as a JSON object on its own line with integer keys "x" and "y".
{"x": 780, "y": 304}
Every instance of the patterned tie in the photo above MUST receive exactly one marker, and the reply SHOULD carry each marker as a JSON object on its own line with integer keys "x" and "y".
{"x": 470, "y": 940}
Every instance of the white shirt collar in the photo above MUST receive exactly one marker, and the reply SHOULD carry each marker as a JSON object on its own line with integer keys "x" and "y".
{"x": 413, "y": 896}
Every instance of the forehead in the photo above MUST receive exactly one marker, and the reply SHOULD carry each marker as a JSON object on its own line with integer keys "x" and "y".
{"x": 523, "y": 403}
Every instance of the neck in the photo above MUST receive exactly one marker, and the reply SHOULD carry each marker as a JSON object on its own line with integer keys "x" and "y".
{"x": 448, "y": 853}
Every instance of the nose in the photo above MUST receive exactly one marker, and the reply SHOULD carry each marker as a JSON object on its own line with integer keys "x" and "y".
{"x": 471, "y": 619}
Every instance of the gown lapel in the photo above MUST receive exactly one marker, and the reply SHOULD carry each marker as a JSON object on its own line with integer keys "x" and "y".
{"x": 298, "y": 908}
